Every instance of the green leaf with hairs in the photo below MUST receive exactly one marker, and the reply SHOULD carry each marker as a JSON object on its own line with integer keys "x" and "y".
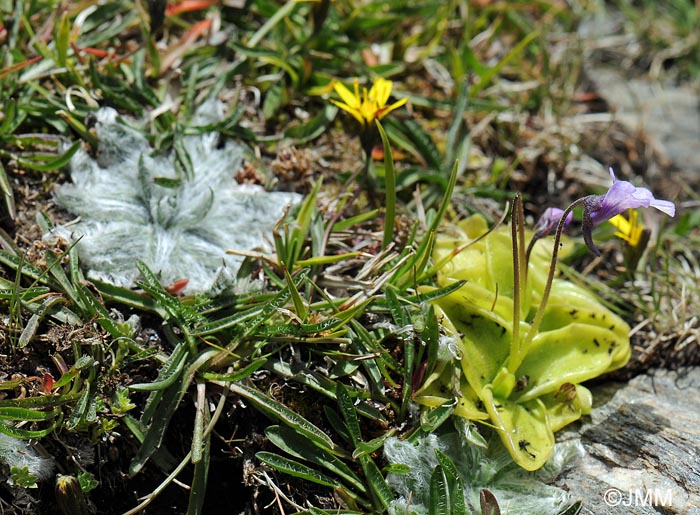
{"x": 297, "y": 469}
{"x": 284, "y": 414}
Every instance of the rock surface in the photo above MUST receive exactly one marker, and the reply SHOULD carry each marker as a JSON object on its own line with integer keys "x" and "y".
{"x": 642, "y": 445}
{"x": 662, "y": 112}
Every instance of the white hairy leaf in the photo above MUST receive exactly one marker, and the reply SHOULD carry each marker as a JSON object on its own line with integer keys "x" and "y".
{"x": 133, "y": 205}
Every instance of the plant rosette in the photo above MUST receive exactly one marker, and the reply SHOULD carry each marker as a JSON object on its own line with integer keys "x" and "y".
{"x": 526, "y": 386}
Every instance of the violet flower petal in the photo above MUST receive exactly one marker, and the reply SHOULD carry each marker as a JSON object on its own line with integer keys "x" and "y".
{"x": 621, "y": 196}
{"x": 549, "y": 220}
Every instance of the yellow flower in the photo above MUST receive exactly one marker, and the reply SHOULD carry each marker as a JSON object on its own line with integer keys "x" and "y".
{"x": 628, "y": 229}
{"x": 371, "y": 105}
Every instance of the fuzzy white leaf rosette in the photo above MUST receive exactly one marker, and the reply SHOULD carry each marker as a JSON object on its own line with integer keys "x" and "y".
{"x": 480, "y": 466}
{"x": 181, "y": 231}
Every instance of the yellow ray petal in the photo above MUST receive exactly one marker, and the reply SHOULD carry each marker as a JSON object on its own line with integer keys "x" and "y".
{"x": 352, "y": 100}
{"x": 386, "y": 110}
{"x": 355, "y": 112}
{"x": 380, "y": 91}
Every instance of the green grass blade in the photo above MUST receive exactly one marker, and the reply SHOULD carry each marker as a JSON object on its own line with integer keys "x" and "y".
{"x": 52, "y": 164}
{"x": 486, "y": 78}
{"x": 6, "y": 190}
{"x": 299, "y": 305}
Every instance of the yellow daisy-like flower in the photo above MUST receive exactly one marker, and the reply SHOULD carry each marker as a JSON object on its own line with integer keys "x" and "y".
{"x": 628, "y": 229}
{"x": 369, "y": 106}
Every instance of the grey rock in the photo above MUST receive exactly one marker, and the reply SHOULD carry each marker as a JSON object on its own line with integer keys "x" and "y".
{"x": 664, "y": 113}
{"x": 642, "y": 447}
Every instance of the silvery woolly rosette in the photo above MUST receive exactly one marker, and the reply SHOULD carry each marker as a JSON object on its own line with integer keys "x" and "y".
{"x": 133, "y": 205}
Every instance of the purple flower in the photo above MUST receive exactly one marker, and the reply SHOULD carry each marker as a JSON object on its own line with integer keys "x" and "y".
{"x": 621, "y": 196}
{"x": 549, "y": 220}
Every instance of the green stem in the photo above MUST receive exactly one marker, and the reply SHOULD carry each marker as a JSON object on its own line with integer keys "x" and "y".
{"x": 390, "y": 188}
{"x": 514, "y": 358}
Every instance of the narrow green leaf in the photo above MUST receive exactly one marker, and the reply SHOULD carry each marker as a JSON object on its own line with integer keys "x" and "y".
{"x": 299, "y": 305}
{"x": 433, "y": 418}
{"x": 200, "y": 416}
{"x": 455, "y": 483}
{"x": 29, "y": 331}
{"x": 200, "y": 480}
{"x": 439, "y": 497}
{"x": 27, "y": 434}
{"x": 62, "y": 39}
{"x": 367, "y": 448}
{"x": 128, "y": 297}
{"x": 28, "y": 415}
{"x": 235, "y": 376}
{"x": 284, "y": 414}
{"x": 160, "y": 420}
{"x": 292, "y": 443}
{"x": 274, "y": 99}
{"x": 346, "y": 223}
{"x": 377, "y": 483}
{"x": 6, "y": 190}
{"x": 167, "y": 182}
{"x": 53, "y": 164}
{"x": 294, "y": 246}
{"x": 457, "y": 123}
{"x": 267, "y": 311}
{"x": 179, "y": 354}
{"x": 296, "y": 469}
{"x": 397, "y": 309}
{"x": 80, "y": 409}
{"x": 409, "y": 368}
{"x": 410, "y": 136}
{"x": 326, "y": 260}
{"x": 10, "y": 110}
{"x": 229, "y": 322}
{"x": 337, "y": 423}
{"x": 365, "y": 344}
{"x": 150, "y": 284}
{"x": 166, "y": 378}
{"x": 24, "y": 268}
{"x": 183, "y": 160}
{"x": 437, "y": 293}
{"x": 40, "y": 402}
{"x": 95, "y": 307}
{"x": 347, "y": 411}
